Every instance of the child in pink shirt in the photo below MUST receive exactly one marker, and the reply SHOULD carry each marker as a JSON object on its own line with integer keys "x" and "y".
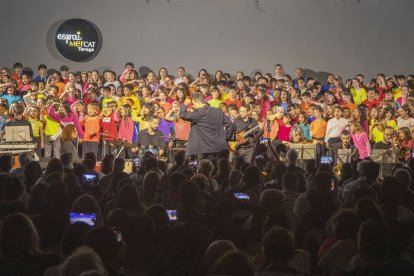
{"x": 284, "y": 130}
{"x": 360, "y": 139}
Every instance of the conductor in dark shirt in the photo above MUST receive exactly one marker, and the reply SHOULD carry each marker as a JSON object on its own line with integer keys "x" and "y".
{"x": 210, "y": 128}
{"x": 151, "y": 136}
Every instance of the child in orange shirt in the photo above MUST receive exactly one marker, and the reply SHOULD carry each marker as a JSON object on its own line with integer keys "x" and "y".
{"x": 319, "y": 125}
{"x": 91, "y": 123}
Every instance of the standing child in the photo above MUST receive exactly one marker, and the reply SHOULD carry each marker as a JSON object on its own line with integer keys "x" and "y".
{"x": 284, "y": 130}
{"x": 360, "y": 139}
{"x": 389, "y": 118}
{"x": 109, "y": 122}
{"x": 126, "y": 127}
{"x": 69, "y": 95}
{"x": 318, "y": 126}
{"x": 33, "y": 115}
{"x": 52, "y": 133}
{"x": 129, "y": 95}
{"x": 91, "y": 136}
{"x": 304, "y": 125}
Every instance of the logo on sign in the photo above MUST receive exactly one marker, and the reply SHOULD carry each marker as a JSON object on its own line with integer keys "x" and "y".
{"x": 78, "y": 40}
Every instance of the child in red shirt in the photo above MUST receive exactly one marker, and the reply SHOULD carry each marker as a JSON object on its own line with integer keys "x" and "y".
{"x": 109, "y": 123}
{"x": 372, "y": 101}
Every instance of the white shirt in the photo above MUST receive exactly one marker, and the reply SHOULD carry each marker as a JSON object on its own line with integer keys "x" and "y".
{"x": 178, "y": 81}
{"x": 405, "y": 123}
{"x": 335, "y": 127}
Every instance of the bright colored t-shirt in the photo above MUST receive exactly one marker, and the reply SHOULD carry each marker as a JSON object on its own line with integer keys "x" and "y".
{"x": 396, "y": 92}
{"x": 392, "y": 124}
{"x": 214, "y": 103}
{"x": 92, "y": 127}
{"x": 36, "y": 125}
{"x": 359, "y": 95}
{"x": 51, "y": 126}
{"x": 318, "y": 128}
{"x": 377, "y": 135}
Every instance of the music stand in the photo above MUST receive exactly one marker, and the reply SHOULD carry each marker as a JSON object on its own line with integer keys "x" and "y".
{"x": 14, "y": 134}
{"x": 305, "y": 151}
{"x": 382, "y": 157}
{"x": 344, "y": 156}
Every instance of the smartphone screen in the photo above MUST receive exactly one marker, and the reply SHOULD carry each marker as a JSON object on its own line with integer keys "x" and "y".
{"x": 241, "y": 196}
{"x": 137, "y": 162}
{"x": 88, "y": 218}
{"x": 172, "y": 215}
{"x": 89, "y": 179}
{"x": 193, "y": 163}
{"x": 264, "y": 141}
{"x": 326, "y": 160}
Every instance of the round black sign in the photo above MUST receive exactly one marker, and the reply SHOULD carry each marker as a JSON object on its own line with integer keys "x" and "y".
{"x": 78, "y": 40}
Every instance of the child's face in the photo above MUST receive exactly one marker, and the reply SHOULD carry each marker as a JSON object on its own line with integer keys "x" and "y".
{"x": 25, "y": 79}
{"x": 71, "y": 92}
{"x": 122, "y": 111}
{"x": 388, "y": 115}
{"x": 107, "y": 108}
{"x": 145, "y": 110}
{"x": 310, "y": 111}
{"x": 52, "y": 91}
{"x": 216, "y": 94}
{"x": 162, "y": 96}
{"x": 317, "y": 113}
{"x": 305, "y": 99}
{"x": 337, "y": 113}
{"x": 388, "y": 96}
{"x": 346, "y": 113}
{"x": 35, "y": 86}
{"x": 371, "y": 95}
{"x": 234, "y": 113}
{"x": 92, "y": 111}
{"x": 302, "y": 118}
{"x": 374, "y": 113}
{"x": 174, "y": 106}
{"x": 41, "y": 86}
{"x": 34, "y": 113}
{"x": 39, "y": 103}
{"x": 127, "y": 91}
{"x": 286, "y": 120}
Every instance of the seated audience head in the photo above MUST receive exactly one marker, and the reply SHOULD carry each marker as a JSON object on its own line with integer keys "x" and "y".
{"x": 292, "y": 157}
{"x": 216, "y": 250}
{"x": 88, "y": 204}
{"x": 73, "y": 237}
{"x": 6, "y": 163}
{"x": 104, "y": 242}
{"x": 278, "y": 245}
{"x": 272, "y": 199}
{"x": 18, "y": 238}
{"x": 82, "y": 260}
{"x": 24, "y": 159}
{"x": 233, "y": 263}
{"x": 206, "y": 167}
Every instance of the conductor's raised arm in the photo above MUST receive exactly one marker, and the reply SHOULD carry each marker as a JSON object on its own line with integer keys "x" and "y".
{"x": 188, "y": 116}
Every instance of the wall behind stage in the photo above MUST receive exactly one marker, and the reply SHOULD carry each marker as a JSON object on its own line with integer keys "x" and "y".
{"x": 340, "y": 36}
